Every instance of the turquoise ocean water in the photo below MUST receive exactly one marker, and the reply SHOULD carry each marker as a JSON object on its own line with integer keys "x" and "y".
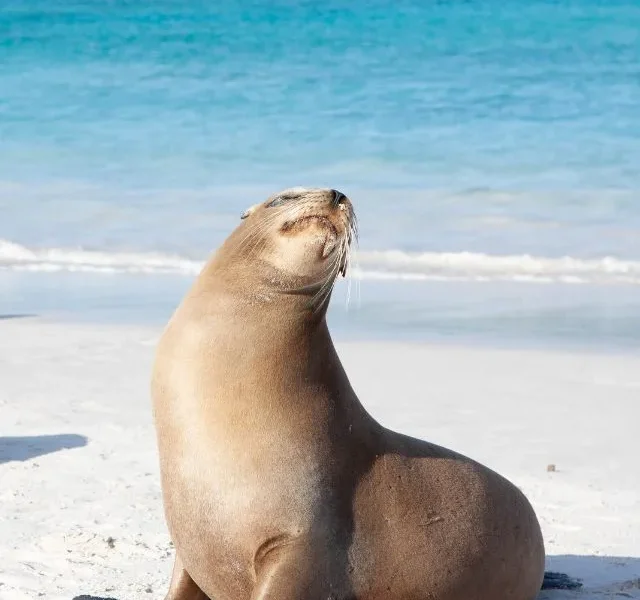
{"x": 492, "y": 150}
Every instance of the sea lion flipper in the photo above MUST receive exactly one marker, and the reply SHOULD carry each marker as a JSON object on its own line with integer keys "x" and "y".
{"x": 560, "y": 581}
{"x": 291, "y": 569}
{"x": 287, "y": 581}
{"x": 182, "y": 587}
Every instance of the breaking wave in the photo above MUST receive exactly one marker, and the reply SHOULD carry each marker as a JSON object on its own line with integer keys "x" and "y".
{"x": 391, "y": 264}
{"x": 19, "y": 258}
{"x": 471, "y": 266}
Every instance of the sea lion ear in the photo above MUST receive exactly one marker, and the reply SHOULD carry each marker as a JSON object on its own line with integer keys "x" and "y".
{"x": 248, "y": 212}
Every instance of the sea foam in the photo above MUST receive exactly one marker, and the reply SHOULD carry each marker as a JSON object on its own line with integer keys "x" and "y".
{"x": 389, "y": 264}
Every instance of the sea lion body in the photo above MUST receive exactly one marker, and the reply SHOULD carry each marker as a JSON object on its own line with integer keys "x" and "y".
{"x": 276, "y": 481}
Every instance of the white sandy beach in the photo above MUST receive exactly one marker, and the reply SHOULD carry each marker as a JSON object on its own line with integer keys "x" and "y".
{"x": 80, "y": 508}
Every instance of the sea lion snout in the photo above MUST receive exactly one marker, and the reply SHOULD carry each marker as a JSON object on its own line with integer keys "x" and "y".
{"x": 301, "y": 208}
{"x": 334, "y": 197}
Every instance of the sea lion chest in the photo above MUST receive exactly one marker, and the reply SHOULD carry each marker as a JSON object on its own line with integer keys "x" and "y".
{"x": 243, "y": 443}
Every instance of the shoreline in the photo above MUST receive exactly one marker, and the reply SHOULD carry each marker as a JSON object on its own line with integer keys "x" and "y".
{"x": 345, "y": 337}
{"x": 354, "y": 337}
{"x": 594, "y": 319}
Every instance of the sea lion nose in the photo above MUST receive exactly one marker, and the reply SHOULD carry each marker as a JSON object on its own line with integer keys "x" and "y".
{"x": 338, "y": 197}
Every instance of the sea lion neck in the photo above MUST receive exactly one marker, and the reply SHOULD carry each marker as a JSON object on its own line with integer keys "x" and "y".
{"x": 264, "y": 294}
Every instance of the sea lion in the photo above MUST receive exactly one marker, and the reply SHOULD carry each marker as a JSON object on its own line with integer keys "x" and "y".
{"x": 276, "y": 481}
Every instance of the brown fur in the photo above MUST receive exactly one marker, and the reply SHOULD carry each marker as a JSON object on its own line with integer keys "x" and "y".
{"x": 276, "y": 482}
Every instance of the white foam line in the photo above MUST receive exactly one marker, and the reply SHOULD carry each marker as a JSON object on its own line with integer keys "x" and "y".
{"x": 392, "y": 264}
{"x": 19, "y": 258}
{"x": 485, "y": 267}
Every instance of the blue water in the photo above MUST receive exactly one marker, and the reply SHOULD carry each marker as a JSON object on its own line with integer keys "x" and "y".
{"x": 502, "y": 128}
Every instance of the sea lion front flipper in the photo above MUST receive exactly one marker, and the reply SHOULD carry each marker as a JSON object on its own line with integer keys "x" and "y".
{"x": 298, "y": 570}
{"x": 182, "y": 587}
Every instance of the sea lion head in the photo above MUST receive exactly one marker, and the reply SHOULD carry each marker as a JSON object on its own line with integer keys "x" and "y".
{"x": 298, "y": 240}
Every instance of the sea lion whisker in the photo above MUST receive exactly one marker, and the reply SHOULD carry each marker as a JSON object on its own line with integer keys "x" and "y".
{"x": 330, "y": 281}
{"x": 292, "y": 214}
{"x": 251, "y": 242}
{"x": 260, "y": 226}
{"x": 353, "y": 257}
{"x": 339, "y": 263}
{"x": 317, "y": 286}
{"x": 321, "y": 294}
{"x": 347, "y": 272}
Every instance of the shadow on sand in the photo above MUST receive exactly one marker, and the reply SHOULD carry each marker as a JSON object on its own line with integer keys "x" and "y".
{"x": 28, "y": 447}
{"x": 602, "y": 577}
